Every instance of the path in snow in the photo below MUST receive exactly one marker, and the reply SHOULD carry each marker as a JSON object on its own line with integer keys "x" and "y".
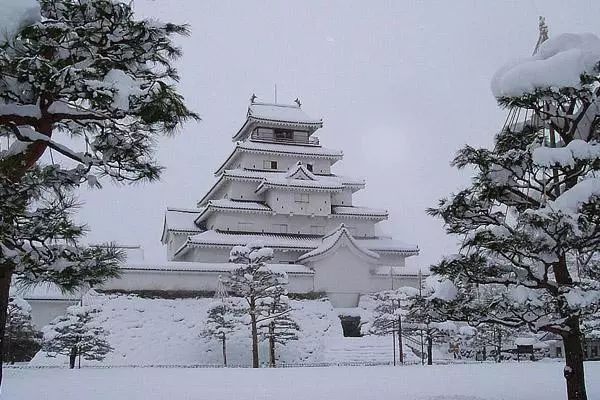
{"x": 524, "y": 381}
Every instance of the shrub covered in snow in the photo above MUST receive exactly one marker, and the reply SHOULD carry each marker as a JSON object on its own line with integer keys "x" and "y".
{"x": 21, "y": 340}
{"x": 77, "y": 334}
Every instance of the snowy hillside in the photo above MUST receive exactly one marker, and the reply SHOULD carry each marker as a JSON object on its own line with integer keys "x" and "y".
{"x": 160, "y": 331}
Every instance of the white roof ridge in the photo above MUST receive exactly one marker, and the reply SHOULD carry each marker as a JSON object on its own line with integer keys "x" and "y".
{"x": 263, "y": 103}
{"x": 184, "y": 209}
{"x": 331, "y": 240}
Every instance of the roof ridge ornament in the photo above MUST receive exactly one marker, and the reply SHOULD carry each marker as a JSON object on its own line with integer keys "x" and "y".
{"x": 253, "y": 98}
{"x": 543, "y": 33}
{"x": 297, "y": 101}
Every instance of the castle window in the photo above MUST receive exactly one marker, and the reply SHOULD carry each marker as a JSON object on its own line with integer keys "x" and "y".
{"x": 309, "y": 167}
{"x": 301, "y": 197}
{"x": 269, "y": 164}
{"x": 283, "y": 134}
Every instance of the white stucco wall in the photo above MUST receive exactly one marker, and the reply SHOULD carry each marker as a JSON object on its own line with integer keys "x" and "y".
{"x": 272, "y": 223}
{"x": 43, "y": 311}
{"x": 343, "y": 276}
{"x": 343, "y": 198}
{"x": 284, "y": 162}
{"x": 137, "y": 280}
{"x": 288, "y": 201}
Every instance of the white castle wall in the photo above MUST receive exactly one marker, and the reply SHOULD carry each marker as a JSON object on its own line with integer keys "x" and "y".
{"x": 202, "y": 281}
{"x": 303, "y": 224}
{"x": 286, "y": 201}
{"x": 284, "y": 162}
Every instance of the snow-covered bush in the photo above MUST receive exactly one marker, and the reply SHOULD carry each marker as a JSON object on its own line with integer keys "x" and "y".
{"x": 21, "y": 340}
{"x": 77, "y": 334}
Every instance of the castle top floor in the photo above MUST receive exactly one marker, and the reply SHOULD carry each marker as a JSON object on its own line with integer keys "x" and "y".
{"x": 279, "y": 123}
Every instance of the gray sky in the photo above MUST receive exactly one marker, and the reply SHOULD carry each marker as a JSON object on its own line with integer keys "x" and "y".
{"x": 401, "y": 85}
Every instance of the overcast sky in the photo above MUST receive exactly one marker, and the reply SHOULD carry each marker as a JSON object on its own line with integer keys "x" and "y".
{"x": 400, "y": 85}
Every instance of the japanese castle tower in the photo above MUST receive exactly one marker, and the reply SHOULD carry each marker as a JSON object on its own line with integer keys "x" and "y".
{"x": 277, "y": 188}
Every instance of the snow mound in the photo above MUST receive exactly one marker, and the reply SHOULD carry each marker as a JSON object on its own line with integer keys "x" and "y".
{"x": 559, "y": 62}
{"x": 147, "y": 332}
{"x": 15, "y": 15}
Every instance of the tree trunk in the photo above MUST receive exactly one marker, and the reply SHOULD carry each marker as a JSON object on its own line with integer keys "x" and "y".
{"x": 400, "y": 349}
{"x": 72, "y": 357}
{"x": 272, "y": 345}
{"x": 5, "y": 278}
{"x": 429, "y": 350}
{"x": 224, "y": 351}
{"x": 499, "y": 347}
{"x": 394, "y": 345}
{"x": 574, "y": 371}
{"x": 254, "y": 334}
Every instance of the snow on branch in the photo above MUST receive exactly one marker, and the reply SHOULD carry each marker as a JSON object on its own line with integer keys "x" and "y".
{"x": 559, "y": 62}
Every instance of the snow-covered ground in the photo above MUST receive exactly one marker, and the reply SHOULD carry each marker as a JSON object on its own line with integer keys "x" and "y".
{"x": 150, "y": 332}
{"x": 508, "y": 381}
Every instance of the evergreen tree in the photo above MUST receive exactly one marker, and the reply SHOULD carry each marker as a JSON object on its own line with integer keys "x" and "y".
{"x": 279, "y": 326}
{"x": 390, "y": 313}
{"x": 77, "y": 334}
{"x": 254, "y": 281}
{"x": 429, "y": 324}
{"x": 105, "y": 80}
{"x": 532, "y": 208}
{"x": 223, "y": 318}
{"x": 21, "y": 340}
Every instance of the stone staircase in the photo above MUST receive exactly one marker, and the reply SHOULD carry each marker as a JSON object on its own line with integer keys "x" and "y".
{"x": 358, "y": 350}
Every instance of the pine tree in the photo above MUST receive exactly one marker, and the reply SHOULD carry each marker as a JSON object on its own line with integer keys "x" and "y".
{"x": 223, "y": 318}
{"x": 532, "y": 209}
{"x": 428, "y": 323}
{"x": 105, "y": 80}
{"x": 390, "y": 313}
{"x": 254, "y": 281}
{"x": 21, "y": 340}
{"x": 279, "y": 326}
{"x": 78, "y": 333}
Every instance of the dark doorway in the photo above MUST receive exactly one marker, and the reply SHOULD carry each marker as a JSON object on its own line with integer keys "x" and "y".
{"x": 350, "y": 326}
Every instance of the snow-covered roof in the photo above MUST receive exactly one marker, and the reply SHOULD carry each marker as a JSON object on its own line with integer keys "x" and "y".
{"x": 231, "y": 205}
{"x": 386, "y": 244}
{"x": 293, "y": 150}
{"x": 45, "y": 292}
{"x": 283, "y": 182}
{"x": 332, "y": 241}
{"x": 385, "y": 270}
{"x": 187, "y": 266}
{"x": 324, "y": 182}
{"x": 281, "y": 113}
{"x": 359, "y": 211}
{"x": 270, "y": 114}
{"x": 213, "y": 238}
{"x": 525, "y": 341}
{"x": 180, "y": 220}
{"x": 559, "y": 62}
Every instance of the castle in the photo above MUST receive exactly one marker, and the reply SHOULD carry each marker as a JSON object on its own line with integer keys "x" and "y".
{"x": 276, "y": 188}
